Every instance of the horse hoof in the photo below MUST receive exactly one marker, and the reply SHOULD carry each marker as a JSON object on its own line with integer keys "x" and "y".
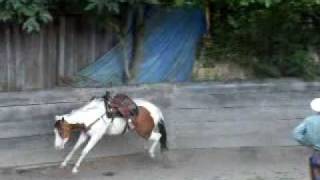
{"x": 75, "y": 171}
{"x": 152, "y": 155}
{"x": 63, "y": 165}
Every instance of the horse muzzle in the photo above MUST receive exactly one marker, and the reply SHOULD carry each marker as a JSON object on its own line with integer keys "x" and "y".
{"x": 59, "y": 147}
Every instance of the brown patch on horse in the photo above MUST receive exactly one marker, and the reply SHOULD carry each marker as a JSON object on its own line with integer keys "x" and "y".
{"x": 143, "y": 123}
{"x": 65, "y": 129}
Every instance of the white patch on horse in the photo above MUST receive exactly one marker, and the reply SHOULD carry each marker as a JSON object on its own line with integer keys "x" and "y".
{"x": 117, "y": 127}
{"x": 58, "y": 143}
{"x": 154, "y": 137}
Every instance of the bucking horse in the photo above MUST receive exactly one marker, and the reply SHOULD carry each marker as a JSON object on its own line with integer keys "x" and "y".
{"x": 111, "y": 116}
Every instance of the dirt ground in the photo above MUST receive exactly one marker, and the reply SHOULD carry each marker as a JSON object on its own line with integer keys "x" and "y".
{"x": 275, "y": 163}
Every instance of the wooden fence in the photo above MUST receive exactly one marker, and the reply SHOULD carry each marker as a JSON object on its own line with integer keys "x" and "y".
{"x": 198, "y": 115}
{"x": 42, "y": 60}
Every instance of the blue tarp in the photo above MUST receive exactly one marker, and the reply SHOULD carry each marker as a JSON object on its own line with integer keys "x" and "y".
{"x": 171, "y": 39}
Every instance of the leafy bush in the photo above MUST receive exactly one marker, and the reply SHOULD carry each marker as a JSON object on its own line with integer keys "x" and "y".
{"x": 273, "y": 40}
{"x": 29, "y": 13}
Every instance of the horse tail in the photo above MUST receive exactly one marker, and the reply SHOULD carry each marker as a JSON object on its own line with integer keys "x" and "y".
{"x": 163, "y": 138}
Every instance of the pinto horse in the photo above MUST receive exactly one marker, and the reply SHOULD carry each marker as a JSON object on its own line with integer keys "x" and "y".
{"x": 92, "y": 122}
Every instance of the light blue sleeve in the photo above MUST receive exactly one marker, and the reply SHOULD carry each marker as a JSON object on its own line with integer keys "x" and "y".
{"x": 299, "y": 133}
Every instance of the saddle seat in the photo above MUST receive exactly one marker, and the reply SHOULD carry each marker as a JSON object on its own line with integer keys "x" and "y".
{"x": 124, "y": 106}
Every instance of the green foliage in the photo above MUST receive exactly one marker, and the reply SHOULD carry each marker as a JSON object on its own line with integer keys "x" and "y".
{"x": 101, "y": 5}
{"x": 114, "y": 5}
{"x": 178, "y": 3}
{"x": 29, "y": 13}
{"x": 272, "y": 38}
{"x": 269, "y": 3}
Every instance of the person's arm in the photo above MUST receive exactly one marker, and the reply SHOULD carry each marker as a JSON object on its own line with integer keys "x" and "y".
{"x": 299, "y": 133}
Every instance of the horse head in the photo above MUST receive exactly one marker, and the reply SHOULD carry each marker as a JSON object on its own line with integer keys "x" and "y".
{"x": 62, "y": 131}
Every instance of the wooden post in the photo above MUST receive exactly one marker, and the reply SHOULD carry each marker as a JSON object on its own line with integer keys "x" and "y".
{"x": 19, "y": 64}
{"x": 138, "y": 40}
{"x": 10, "y": 63}
{"x": 62, "y": 36}
{"x": 208, "y": 17}
{"x": 41, "y": 59}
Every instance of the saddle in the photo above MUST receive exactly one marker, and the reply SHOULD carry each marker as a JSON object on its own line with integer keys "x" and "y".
{"x": 123, "y": 106}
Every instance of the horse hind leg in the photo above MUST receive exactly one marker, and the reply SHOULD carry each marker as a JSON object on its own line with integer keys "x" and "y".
{"x": 155, "y": 138}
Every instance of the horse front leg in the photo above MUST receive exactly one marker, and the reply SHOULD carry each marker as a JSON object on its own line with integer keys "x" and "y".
{"x": 92, "y": 142}
{"x": 82, "y": 138}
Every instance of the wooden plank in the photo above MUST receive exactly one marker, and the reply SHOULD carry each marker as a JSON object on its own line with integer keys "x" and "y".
{"x": 51, "y": 61}
{"x": 64, "y": 95}
{"x": 19, "y": 63}
{"x": 92, "y": 42}
{"x": 229, "y": 100}
{"x": 42, "y": 48}
{"x": 3, "y": 59}
{"x": 70, "y": 48}
{"x": 41, "y": 111}
{"x": 281, "y": 113}
{"x": 30, "y": 55}
{"x": 11, "y": 58}
{"x": 36, "y": 127}
{"x": 62, "y": 48}
{"x": 263, "y": 86}
{"x": 164, "y": 94}
{"x": 234, "y": 134}
{"x": 46, "y": 59}
{"x": 100, "y": 50}
{"x": 81, "y": 43}
{"x": 107, "y": 38}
